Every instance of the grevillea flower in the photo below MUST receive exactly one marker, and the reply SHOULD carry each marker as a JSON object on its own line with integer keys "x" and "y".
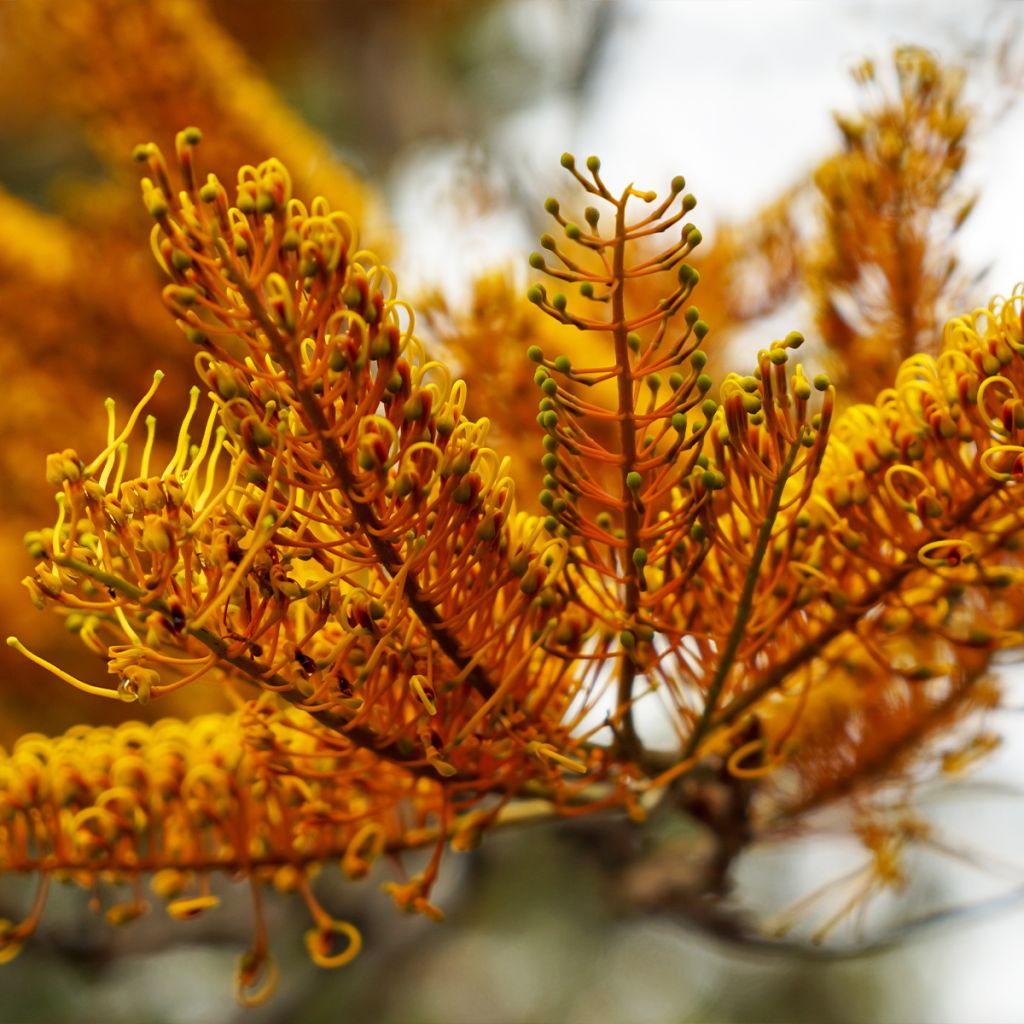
{"x": 338, "y": 535}
{"x": 686, "y": 499}
{"x": 747, "y": 271}
{"x": 261, "y": 792}
{"x": 883, "y": 274}
{"x": 360, "y": 556}
{"x": 812, "y": 602}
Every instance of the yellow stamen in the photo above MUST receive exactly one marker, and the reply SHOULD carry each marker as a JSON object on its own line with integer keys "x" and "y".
{"x": 96, "y": 691}
{"x": 200, "y": 454}
{"x": 112, "y": 441}
{"x": 148, "y": 450}
{"x": 122, "y": 460}
{"x": 177, "y": 463}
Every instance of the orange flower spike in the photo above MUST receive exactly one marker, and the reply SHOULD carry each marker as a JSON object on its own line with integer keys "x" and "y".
{"x": 179, "y": 808}
{"x": 784, "y": 582}
{"x": 892, "y": 204}
{"x": 190, "y": 550}
{"x": 926, "y": 532}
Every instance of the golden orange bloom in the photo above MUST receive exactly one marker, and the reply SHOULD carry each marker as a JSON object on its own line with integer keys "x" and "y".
{"x": 261, "y": 793}
{"x": 811, "y": 601}
{"x": 883, "y": 275}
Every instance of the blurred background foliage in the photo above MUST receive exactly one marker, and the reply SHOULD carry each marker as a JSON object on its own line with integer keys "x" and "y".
{"x": 372, "y": 102}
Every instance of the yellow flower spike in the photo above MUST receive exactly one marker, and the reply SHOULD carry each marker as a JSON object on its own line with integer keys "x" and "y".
{"x": 322, "y": 939}
{"x": 365, "y": 561}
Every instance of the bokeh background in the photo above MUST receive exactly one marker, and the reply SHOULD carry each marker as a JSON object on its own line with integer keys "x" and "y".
{"x": 440, "y": 123}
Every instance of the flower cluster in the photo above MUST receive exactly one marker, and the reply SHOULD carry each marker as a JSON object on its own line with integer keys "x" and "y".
{"x": 260, "y": 792}
{"x": 360, "y": 556}
{"x": 669, "y": 495}
{"x": 883, "y": 274}
{"x": 812, "y": 600}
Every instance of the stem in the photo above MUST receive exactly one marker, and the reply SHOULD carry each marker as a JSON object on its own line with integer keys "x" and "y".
{"x": 628, "y": 739}
{"x": 744, "y": 607}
